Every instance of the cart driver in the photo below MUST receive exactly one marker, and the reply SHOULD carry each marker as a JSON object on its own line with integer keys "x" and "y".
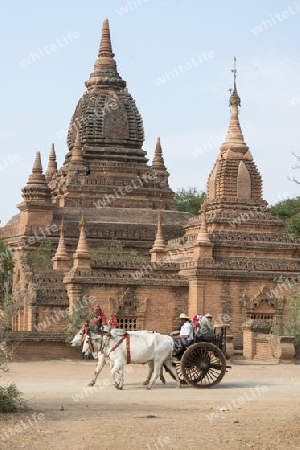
{"x": 183, "y": 337}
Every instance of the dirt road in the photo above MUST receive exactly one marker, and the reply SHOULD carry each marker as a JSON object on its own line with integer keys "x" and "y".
{"x": 255, "y": 406}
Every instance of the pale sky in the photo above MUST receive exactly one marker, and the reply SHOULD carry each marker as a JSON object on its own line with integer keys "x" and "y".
{"x": 176, "y": 57}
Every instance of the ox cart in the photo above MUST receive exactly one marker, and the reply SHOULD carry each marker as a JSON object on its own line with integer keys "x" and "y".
{"x": 203, "y": 364}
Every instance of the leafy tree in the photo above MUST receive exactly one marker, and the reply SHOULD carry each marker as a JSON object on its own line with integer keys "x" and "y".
{"x": 10, "y": 396}
{"x": 41, "y": 258}
{"x": 8, "y": 305}
{"x": 289, "y": 211}
{"x": 189, "y": 200}
{"x": 286, "y": 209}
{"x": 6, "y": 273}
{"x": 76, "y": 319}
{"x": 293, "y": 226}
{"x": 290, "y": 322}
{"x": 6, "y": 269}
{"x": 115, "y": 251}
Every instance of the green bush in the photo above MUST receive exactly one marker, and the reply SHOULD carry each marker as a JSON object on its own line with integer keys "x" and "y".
{"x": 41, "y": 258}
{"x": 10, "y": 396}
{"x": 115, "y": 251}
{"x": 79, "y": 316}
{"x": 289, "y": 211}
{"x": 6, "y": 271}
{"x": 189, "y": 200}
{"x": 11, "y": 399}
{"x": 293, "y": 226}
{"x": 289, "y": 325}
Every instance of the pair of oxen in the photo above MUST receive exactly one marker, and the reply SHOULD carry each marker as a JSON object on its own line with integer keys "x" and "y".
{"x": 118, "y": 347}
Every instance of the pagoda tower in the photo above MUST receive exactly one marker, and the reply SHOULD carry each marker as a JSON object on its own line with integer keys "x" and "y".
{"x": 159, "y": 243}
{"x": 107, "y": 181}
{"x": 158, "y": 165}
{"x": 52, "y": 164}
{"x": 107, "y": 124}
{"x": 105, "y": 174}
{"x": 36, "y": 208}
{"x": 234, "y": 202}
{"x": 61, "y": 259}
{"x": 239, "y": 248}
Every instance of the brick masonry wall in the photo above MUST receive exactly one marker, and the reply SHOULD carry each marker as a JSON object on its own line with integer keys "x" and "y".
{"x": 49, "y": 318}
{"x": 158, "y": 307}
{"x": 262, "y": 347}
{"x": 248, "y": 344}
{"x": 31, "y": 351}
{"x": 224, "y": 296}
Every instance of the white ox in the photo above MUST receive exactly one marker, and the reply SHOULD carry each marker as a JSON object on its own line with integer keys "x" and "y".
{"x": 128, "y": 348}
{"x": 79, "y": 336}
{"x": 92, "y": 345}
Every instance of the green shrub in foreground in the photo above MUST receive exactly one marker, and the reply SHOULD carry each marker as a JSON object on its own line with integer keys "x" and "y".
{"x": 11, "y": 400}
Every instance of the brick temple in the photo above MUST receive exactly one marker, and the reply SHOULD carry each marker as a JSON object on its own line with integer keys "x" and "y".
{"x": 223, "y": 261}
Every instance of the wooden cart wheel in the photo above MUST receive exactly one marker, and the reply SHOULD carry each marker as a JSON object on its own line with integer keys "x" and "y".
{"x": 203, "y": 365}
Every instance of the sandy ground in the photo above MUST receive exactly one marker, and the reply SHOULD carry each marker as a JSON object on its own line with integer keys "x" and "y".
{"x": 254, "y": 406}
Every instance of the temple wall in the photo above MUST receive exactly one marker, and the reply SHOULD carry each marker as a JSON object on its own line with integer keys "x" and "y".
{"x": 40, "y": 346}
{"x": 153, "y": 301}
{"x": 224, "y": 298}
{"x": 51, "y": 318}
{"x": 151, "y": 307}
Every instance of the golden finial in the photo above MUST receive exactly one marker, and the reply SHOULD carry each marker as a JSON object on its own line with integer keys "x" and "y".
{"x": 234, "y": 68}
{"x": 82, "y": 221}
{"x": 62, "y": 224}
{"x": 234, "y": 100}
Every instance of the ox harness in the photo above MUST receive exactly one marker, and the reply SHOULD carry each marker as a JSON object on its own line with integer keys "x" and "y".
{"x": 127, "y": 337}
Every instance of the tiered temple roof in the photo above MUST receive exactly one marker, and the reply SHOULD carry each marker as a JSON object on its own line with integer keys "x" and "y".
{"x": 105, "y": 144}
{"x": 105, "y": 175}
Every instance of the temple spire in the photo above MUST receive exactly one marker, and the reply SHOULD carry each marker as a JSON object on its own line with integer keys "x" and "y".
{"x": 105, "y": 48}
{"x": 61, "y": 260}
{"x": 52, "y": 164}
{"x": 77, "y": 156}
{"x": 234, "y": 144}
{"x": 159, "y": 239}
{"x": 37, "y": 165}
{"x": 105, "y": 54}
{"x": 203, "y": 233}
{"x": 203, "y": 247}
{"x": 158, "y": 160}
{"x": 37, "y": 206}
{"x": 82, "y": 244}
{"x": 61, "y": 248}
{"x": 158, "y": 165}
{"x": 52, "y": 159}
{"x": 82, "y": 256}
{"x": 159, "y": 244}
{"x": 37, "y": 177}
{"x": 105, "y": 67}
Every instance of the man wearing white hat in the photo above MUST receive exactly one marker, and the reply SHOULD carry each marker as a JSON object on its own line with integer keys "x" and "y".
{"x": 185, "y": 336}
